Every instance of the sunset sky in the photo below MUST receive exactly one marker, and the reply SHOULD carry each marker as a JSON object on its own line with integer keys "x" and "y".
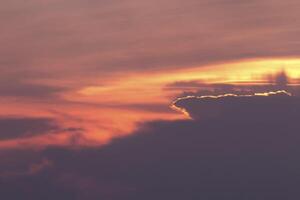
{"x": 143, "y": 100}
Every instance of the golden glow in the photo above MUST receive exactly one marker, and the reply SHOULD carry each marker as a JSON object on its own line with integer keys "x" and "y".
{"x": 114, "y": 108}
{"x": 148, "y": 86}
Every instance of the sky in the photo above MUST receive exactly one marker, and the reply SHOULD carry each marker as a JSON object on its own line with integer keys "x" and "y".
{"x": 136, "y": 99}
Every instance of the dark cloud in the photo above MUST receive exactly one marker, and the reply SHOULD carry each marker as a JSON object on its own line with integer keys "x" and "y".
{"x": 25, "y": 127}
{"x": 22, "y": 127}
{"x": 265, "y": 106}
{"x": 225, "y": 157}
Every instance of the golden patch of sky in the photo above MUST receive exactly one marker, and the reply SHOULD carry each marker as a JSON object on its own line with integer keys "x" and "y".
{"x": 114, "y": 108}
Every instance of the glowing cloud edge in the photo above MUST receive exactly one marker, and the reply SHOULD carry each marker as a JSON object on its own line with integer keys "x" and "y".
{"x": 186, "y": 113}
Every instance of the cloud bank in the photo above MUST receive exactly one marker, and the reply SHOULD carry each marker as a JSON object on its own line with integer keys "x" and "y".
{"x": 259, "y": 106}
{"x": 226, "y": 156}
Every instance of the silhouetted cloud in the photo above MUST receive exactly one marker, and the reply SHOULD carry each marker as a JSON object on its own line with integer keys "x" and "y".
{"x": 225, "y": 157}
{"x": 23, "y": 127}
{"x": 259, "y": 106}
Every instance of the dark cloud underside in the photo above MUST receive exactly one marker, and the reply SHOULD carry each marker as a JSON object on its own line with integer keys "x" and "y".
{"x": 216, "y": 158}
{"x": 11, "y": 128}
{"x": 263, "y": 107}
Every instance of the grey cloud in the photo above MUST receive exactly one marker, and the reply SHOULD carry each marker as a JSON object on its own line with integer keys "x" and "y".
{"x": 254, "y": 107}
{"x": 218, "y": 158}
{"x": 25, "y": 127}
{"x": 22, "y": 127}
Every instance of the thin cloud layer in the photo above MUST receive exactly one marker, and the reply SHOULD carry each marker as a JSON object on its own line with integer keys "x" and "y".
{"x": 100, "y": 37}
{"x": 29, "y": 90}
{"x": 261, "y": 84}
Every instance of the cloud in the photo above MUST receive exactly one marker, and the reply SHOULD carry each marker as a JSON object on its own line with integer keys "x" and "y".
{"x": 13, "y": 127}
{"x": 93, "y": 38}
{"x": 257, "y": 107}
{"x": 62, "y": 42}
{"x": 26, "y": 127}
{"x": 266, "y": 83}
{"x": 228, "y": 156}
{"x": 26, "y": 83}
{"x": 28, "y": 90}
{"x": 219, "y": 158}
